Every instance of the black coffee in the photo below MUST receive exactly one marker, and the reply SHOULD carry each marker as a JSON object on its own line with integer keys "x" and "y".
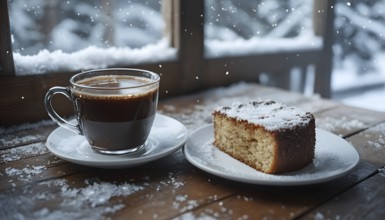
{"x": 114, "y": 121}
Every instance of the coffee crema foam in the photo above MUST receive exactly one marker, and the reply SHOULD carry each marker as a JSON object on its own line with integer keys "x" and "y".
{"x": 115, "y": 86}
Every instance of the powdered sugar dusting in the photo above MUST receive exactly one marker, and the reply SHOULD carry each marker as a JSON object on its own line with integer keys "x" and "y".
{"x": 26, "y": 173}
{"x": 333, "y": 124}
{"x": 191, "y": 216}
{"x": 183, "y": 204}
{"x": 269, "y": 114}
{"x": 379, "y": 143}
{"x": 216, "y": 211}
{"x": 381, "y": 171}
{"x": 14, "y": 141}
{"x": 200, "y": 113}
{"x": 93, "y": 199}
{"x": 18, "y": 153}
{"x": 75, "y": 202}
{"x": 376, "y": 136}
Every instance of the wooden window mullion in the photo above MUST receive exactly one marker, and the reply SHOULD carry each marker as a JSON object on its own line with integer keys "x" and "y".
{"x": 7, "y": 67}
{"x": 191, "y": 44}
{"x": 323, "y": 70}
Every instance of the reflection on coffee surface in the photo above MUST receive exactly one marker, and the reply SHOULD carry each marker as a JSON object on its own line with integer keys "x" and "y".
{"x": 105, "y": 119}
{"x": 113, "y": 81}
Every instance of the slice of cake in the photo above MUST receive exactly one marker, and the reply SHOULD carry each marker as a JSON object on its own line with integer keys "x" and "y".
{"x": 266, "y": 135}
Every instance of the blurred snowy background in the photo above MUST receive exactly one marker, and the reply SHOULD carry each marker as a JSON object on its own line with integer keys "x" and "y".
{"x": 47, "y": 34}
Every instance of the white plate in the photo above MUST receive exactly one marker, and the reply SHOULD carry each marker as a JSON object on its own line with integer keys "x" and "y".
{"x": 167, "y": 136}
{"x": 334, "y": 157}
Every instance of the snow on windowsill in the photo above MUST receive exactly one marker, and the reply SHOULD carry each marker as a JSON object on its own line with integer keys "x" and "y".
{"x": 96, "y": 57}
{"x": 91, "y": 58}
{"x": 257, "y": 45}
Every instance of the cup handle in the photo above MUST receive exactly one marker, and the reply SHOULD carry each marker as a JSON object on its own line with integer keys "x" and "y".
{"x": 53, "y": 114}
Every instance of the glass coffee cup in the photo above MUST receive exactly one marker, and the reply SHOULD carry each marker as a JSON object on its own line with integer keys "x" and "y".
{"x": 114, "y": 108}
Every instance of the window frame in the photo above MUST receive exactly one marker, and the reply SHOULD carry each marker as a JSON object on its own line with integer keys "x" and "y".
{"x": 22, "y": 96}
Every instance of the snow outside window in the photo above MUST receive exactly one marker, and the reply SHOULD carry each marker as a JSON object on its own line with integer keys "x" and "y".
{"x": 71, "y": 35}
{"x": 239, "y": 27}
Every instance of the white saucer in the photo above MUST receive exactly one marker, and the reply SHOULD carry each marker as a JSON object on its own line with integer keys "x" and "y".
{"x": 334, "y": 157}
{"x": 167, "y": 136}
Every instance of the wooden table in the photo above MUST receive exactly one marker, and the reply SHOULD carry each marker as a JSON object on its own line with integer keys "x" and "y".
{"x": 35, "y": 184}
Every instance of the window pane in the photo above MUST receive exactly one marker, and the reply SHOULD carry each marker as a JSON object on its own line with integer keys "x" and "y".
{"x": 85, "y": 33}
{"x": 235, "y": 27}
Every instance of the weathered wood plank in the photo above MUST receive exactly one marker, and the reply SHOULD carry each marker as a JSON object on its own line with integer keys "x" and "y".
{"x": 363, "y": 201}
{"x": 272, "y": 202}
{"x": 370, "y": 144}
{"x": 25, "y": 134}
{"x": 346, "y": 120}
{"x": 167, "y": 188}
